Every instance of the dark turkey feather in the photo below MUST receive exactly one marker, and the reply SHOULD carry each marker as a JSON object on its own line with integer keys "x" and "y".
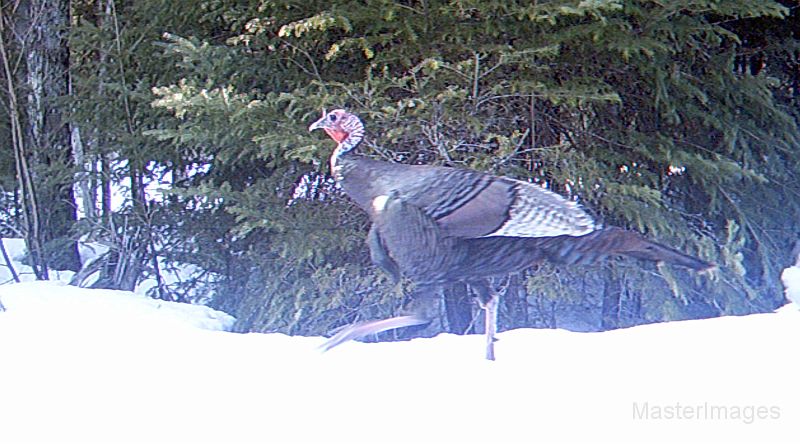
{"x": 614, "y": 241}
{"x": 438, "y": 225}
{"x": 439, "y": 258}
{"x": 379, "y": 255}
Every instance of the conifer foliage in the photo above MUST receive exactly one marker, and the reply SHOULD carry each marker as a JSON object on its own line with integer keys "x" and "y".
{"x": 677, "y": 119}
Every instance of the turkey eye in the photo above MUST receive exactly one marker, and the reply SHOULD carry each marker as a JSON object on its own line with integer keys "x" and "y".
{"x": 332, "y": 117}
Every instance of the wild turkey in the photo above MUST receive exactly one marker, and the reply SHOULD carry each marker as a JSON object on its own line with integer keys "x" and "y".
{"x": 439, "y": 225}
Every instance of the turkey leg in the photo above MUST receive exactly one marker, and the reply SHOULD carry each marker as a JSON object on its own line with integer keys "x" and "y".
{"x": 488, "y": 301}
{"x": 490, "y": 310}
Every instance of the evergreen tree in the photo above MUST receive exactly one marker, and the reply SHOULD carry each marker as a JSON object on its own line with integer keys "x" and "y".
{"x": 677, "y": 119}
{"x": 633, "y": 108}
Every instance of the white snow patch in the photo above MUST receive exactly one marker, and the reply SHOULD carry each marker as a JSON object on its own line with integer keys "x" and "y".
{"x": 79, "y": 365}
{"x": 49, "y": 305}
{"x": 791, "y": 284}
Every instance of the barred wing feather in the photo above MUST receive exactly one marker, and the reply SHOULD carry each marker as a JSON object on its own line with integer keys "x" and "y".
{"x": 468, "y": 204}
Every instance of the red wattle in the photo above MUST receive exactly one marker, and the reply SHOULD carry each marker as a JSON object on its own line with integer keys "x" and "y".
{"x": 336, "y": 135}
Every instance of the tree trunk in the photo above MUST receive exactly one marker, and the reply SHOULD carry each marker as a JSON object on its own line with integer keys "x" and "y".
{"x": 515, "y": 303}
{"x": 611, "y": 304}
{"x": 85, "y": 176}
{"x": 40, "y": 28}
{"x": 458, "y": 308}
{"x": 24, "y": 192}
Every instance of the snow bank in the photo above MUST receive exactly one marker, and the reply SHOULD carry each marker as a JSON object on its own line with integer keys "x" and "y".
{"x": 54, "y": 304}
{"x": 80, "y": 365}
{"x": 791, "y": 283}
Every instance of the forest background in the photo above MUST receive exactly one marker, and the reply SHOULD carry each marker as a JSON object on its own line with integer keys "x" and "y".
{"x": 175, "y": 134}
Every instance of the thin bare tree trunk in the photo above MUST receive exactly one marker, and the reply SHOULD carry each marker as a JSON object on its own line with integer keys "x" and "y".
{"x": 105, "y": 190}
{"x": 27, "y": 192}
{"x": 9, "y": 264}
{"x": 83, "y": 177}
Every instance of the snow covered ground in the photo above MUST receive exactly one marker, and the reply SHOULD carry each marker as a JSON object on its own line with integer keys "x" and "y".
{"x": 79, "y": 365}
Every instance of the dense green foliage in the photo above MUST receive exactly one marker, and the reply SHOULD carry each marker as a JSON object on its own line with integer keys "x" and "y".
{"x": 677, "y": 119}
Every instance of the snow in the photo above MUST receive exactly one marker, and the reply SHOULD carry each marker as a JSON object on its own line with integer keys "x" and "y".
{"x": 791, "y": 282}
{"x": 105, "y": 366}
{"x": 81, "y": 365}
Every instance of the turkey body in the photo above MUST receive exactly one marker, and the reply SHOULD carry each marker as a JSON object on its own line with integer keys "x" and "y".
{"x": 423, "y": 234}
{"x": 436, "y": 237}
{"x": 438, "y": 225}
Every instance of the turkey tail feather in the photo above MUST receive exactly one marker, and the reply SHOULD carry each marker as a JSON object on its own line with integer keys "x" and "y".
{"x": 616, "y": 241}
{"x": 362, "y": 329}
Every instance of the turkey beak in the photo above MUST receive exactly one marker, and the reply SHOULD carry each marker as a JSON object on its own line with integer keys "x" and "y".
{"x": 318, "y": 124}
